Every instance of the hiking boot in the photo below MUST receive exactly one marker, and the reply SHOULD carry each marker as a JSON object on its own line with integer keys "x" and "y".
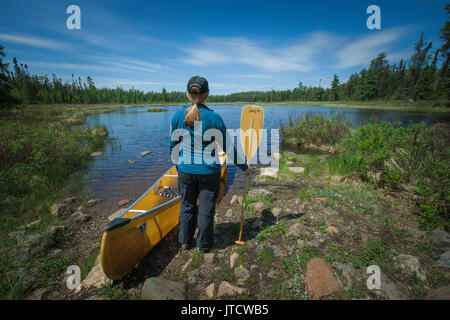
{"x": 186, "y": 246}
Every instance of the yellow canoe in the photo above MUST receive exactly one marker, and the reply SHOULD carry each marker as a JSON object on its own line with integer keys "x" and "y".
{"x": 128, "y": 238}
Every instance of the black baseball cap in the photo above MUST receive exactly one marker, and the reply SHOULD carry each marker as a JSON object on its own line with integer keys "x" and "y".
{"x": 198, "y": 82}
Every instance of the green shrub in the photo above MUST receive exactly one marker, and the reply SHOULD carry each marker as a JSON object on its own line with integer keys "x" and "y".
{"x": 317, "y": 129}
{"x": 414, "y": 157}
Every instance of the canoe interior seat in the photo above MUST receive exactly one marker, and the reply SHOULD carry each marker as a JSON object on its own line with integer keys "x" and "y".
{"x": 170, "y": 192}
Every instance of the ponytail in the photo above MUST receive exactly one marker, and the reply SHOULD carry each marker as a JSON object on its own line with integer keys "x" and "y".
{"x": 193, "y": 112}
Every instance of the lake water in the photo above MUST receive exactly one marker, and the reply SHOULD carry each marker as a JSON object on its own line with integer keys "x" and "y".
{"x": 133, "y": 130}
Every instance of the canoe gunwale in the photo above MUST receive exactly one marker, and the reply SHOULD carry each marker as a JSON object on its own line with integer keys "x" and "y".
{"x": 140, "y": 215}
{"x": 143, "y": 195}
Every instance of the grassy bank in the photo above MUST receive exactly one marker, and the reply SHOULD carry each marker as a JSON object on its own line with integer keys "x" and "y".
{"x": 43, "y": 157}
{"x": 414, "y": 158}
{"x": 416, "y": 106}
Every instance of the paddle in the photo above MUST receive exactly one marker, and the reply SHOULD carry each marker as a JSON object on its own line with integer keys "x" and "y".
{"x": 252, "y": 121}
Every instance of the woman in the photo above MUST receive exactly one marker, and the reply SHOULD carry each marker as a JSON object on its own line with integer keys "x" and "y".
{"x": 198, "y": 178}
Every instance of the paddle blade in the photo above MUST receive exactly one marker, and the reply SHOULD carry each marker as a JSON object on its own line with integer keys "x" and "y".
{"x": 252, "y": 122}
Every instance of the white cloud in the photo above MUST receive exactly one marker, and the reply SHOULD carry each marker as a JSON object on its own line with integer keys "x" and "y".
{"x": 301, "y": 56}
{"x": 35, "y": 41}
{"x": 361, "y": 51}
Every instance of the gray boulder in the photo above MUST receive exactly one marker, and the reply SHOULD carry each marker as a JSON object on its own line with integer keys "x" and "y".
{"x": 440, "y": 239}
{"x": 444, "y": 260}
{"x": 162, "y": 289}
{"x": 409, "y": 265}
{"x": 60, "y": 209}
{"x": 392, "y": 290}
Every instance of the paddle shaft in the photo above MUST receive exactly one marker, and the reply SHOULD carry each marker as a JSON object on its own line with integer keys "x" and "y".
{"x": 244, "y": 207}
{"x": 244, "y": 199}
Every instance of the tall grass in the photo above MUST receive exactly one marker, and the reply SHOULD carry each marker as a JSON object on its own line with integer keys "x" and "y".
{"x": 316, "y": 129}
{"x": 41, "y": 154}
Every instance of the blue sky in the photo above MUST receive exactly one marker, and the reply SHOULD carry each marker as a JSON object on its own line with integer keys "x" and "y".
{"x": 237, "y": 45}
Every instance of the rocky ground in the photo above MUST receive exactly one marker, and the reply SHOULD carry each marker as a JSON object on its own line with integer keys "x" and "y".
{"x": 308, "y": 234}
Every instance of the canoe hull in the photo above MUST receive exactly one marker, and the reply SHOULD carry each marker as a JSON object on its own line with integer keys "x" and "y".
{"x": 131, "y": 236}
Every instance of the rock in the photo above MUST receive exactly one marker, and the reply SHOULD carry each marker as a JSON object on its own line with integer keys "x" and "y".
{"x": 348, "y": 273}
{"x": 277, "y": 251}
{"x": 78, "y": 217}
{"x": 259, "y": 206}
{"x": 242, "y": 275}
{"x": 158, "y": 288}
{"x": 20, "y": 255}
{"x": 37, "y": 295}
{"x": 209, "y": 258}
{"x": 320, "y": 200}
{"x": 60, "y": 209}
{"x": 97, "y": 297}
{"x": 233, "y": 258}
{"x": 192, "y": 276}
{"x": 70, "y": 200}
{"x": 440, "y": 239}
{"x": 330, "y": 211}
{"x": 33, "y": 240}
{"x": 229, "y": 213}
{"x": 444, "y": 260}
{"x": 96, "y": 278}
{"x": 97, "y": 154}
{"x": 320, "y": 279}
{"x": 56, "y": 231}
{"x": 55, "y": 252}
{"x": 296, "y": 170}
{"x": 441, "y": 293}
{"x": 392, "y": 290}
{"x": 332, "y": 230}
{"x": 236, "y": 199}
{"x": 226, "y": 289}
{"x": 123, "y": 202}
{"x": 276, "y": 157}
{"x": 276, "y": 211}
{"x": 269, "y": 172}
{"x": 186, "y": 265}
{"x": 313, "y": 243}
{"x": 253, "y": 268}
{"x": 295, "y": 230}
{"x": 410, "y": 265}
{"x": 145, "y": 153}
{"x": 209, "y": 291}
{"x": 261, "y": 192}
{"x": 115, "y": 215}
{"x": 15, "y": 235}
{"x": 128, "y": 124}
{"x": 271, "y": 274}
{"x": 34, "y": 223}
{"x": 290, "y": 154}
{"x": 259, "y": 179}
{"x": 92, "y": 202}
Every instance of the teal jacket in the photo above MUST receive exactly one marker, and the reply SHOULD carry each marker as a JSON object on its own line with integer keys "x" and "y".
{"x": 199, "y": 162}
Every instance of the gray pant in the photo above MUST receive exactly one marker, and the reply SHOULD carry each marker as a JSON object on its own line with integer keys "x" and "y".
{"x": 205, "y": 188}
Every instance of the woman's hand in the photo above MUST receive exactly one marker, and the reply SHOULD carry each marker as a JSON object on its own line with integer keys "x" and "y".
{"x": 248, "y": 171}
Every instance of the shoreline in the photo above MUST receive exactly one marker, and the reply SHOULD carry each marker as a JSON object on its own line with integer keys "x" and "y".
{"x": 418, "y": 106}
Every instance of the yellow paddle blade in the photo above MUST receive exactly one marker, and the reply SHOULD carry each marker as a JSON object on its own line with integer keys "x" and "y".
{"x": 252, "y": 122}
